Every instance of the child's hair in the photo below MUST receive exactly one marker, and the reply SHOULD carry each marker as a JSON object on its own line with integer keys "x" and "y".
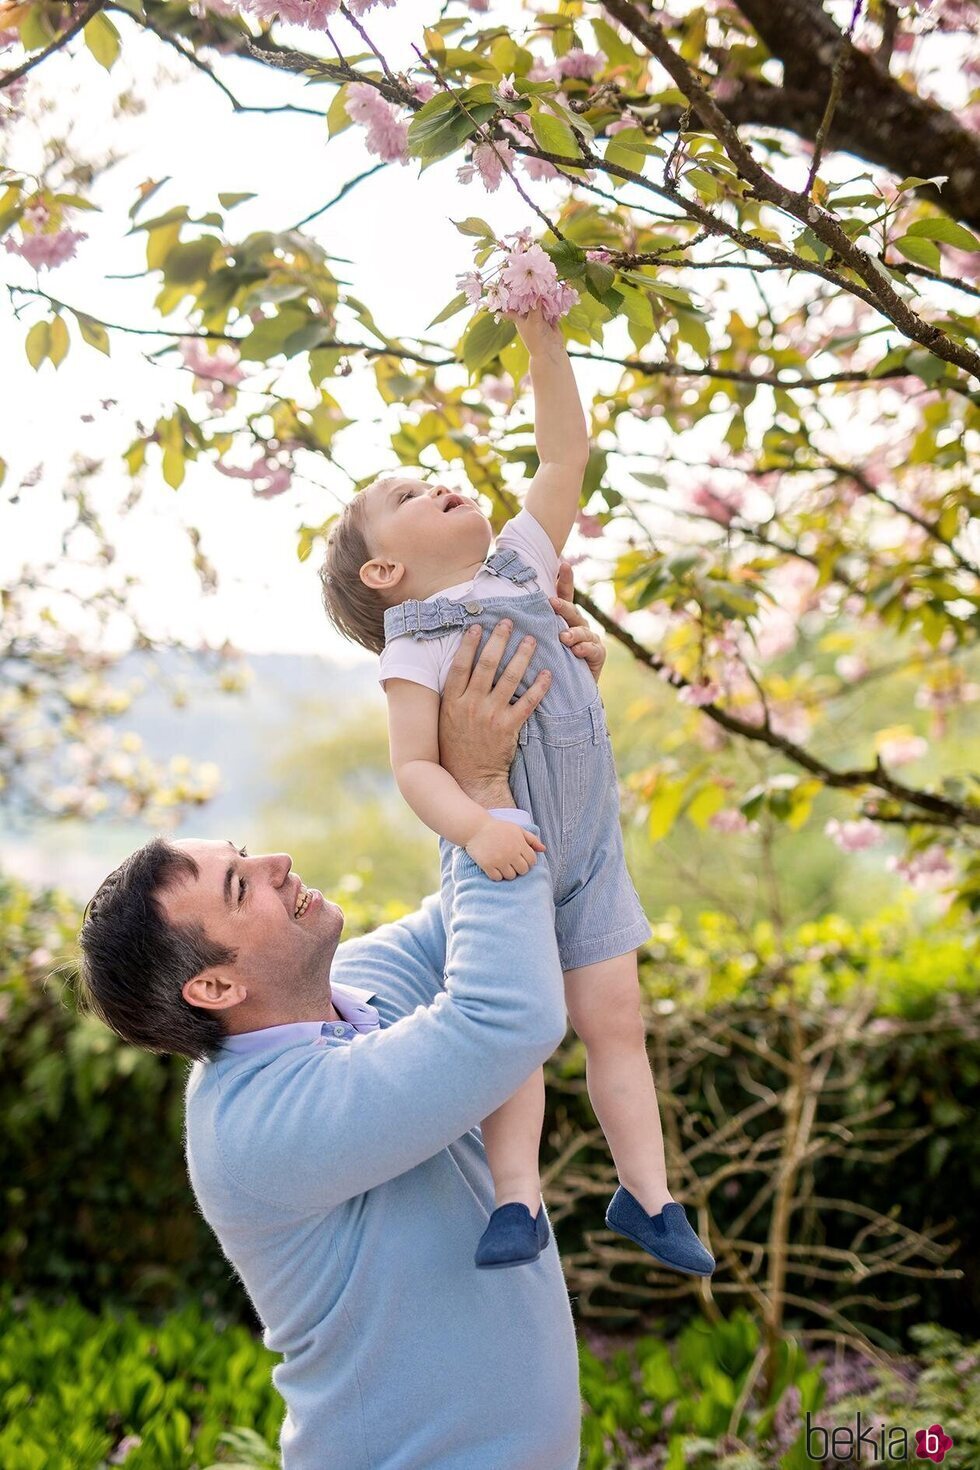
{"x": 356, "y": 611}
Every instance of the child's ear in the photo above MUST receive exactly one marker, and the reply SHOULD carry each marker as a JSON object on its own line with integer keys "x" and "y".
{"x": 381, "y": 575}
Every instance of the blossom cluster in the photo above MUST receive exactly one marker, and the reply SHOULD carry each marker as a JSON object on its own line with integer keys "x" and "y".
{"x": 44, "y": 242}
{"x": 386, "y": 132}
{"x": 525, "y": 280}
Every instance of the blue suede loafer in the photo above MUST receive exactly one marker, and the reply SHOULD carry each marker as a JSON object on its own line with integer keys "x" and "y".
{"x": 667, "y": 1236}
{"x": 512, "y": 1237}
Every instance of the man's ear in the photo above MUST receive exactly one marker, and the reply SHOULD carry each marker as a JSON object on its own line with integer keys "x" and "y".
{"x": 211, "y": 992}
{"x": 382, "y": 575}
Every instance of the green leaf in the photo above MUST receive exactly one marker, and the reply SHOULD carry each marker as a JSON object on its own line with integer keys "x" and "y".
{"x": 706, "y": 184}
{"x": 189, "y": 263}
{"x": 93, "y": 332}
{"x": 76, "y": 201}
{"x": 913, "y": 182}
{"x": 228, "y": 201}
{"x": 552, "y": 134}
{"x": 102, "y": 39}
{"x": 947, "y": 231}
{"x": 600, "y": 277}
{"x": 174, "y": 466}
{"x": 337, "y": 116}
{"x": 619, "y": 53}
{"x": 484, "y": 339}
{"x": 930, "y": 369}
{"x": 919, "y": 251}
{"x": 665, "y": 806}
{"x": 473, "y": 225}
{"x": 58, "y": 341}
{"x": 457, "y": 304}
{"x": 38, "y": 343}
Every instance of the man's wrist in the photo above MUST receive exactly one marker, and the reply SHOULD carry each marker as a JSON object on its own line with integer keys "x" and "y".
{"x": 489, "y": 791}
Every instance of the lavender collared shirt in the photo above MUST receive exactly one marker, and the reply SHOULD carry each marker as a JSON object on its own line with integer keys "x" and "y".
{"x": 351, "y": 1002}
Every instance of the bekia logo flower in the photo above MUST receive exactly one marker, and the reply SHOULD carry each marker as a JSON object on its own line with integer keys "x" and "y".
{"x": 932, "y": 1443}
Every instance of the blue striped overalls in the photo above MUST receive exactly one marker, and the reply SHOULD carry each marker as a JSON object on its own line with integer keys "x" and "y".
{"x": 563, "y": 772}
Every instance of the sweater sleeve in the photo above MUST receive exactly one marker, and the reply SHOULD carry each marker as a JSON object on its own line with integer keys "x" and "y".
{"x": 330, "y": 1123}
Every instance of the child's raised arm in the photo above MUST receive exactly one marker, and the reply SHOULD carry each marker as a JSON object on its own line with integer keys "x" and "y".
{"x": 560, "y": 432}
{"x": 502, "y": 849}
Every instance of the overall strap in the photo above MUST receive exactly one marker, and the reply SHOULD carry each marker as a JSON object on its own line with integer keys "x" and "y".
{"x": 507, "y": 563}
{"x": 429, "y": 619}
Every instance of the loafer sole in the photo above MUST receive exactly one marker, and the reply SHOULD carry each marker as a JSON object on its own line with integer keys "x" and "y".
{"x": 671, "y": 1265}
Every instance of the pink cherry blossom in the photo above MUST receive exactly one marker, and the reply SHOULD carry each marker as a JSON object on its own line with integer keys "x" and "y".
{"x": 928, "y": 869}
{"x": 581, "y": 64}
{"x": 506, "y": 87}
{"x": 313, "y": 14}
{"x": 898, "y": 750}
{"x": 471, "y": 284}
{"x": 851, "y": 667}
{"x": 541, "y": 71}
{"x": 539, "y": 169}
{"x": 854, "y": 836}
{"x": 699, "y": 694}
{"x": 424, "y": 91}
{"x": 720, "y": 508}
{"x": 527, "y": 279}
{"x": 387, "y": 134}
{"x": 620, "y": 125}
{"x": 46, "y": 251}
{"x": 600, "y": 255}
{"x": 490, "y": 161}
{"x": 269, "y": 478}
{"x": 729, "y": 819}
{"x": 498, "y": 390}
{"x": 589, "y": 526}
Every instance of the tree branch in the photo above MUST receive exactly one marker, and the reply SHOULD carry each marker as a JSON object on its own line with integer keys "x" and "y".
{"x": 9, "y": 77}
{"x": 823, "y": 224}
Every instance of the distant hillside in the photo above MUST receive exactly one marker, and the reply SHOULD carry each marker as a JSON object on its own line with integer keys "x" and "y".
{"x": 241, "y": 733}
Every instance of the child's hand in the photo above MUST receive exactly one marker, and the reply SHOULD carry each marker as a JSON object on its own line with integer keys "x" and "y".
{"x": 504, "y": 849}
{"x": 537, "y": 335}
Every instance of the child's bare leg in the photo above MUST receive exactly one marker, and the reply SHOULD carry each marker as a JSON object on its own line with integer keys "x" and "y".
{"x": 604, "y": 1007}
{"x": 512, "y": 1139}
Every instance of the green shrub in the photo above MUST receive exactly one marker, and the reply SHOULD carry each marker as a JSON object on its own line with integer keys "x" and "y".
{"x": 82, "y": 1392}
{"x": 95, "y": 1202}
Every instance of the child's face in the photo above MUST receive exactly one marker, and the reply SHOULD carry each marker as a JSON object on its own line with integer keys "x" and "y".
{"x": 419, "y": 532}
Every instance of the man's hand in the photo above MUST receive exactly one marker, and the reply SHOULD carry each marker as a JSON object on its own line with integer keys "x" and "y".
{"x": 478, "y": 725}
{"x": 504, "y": 849}
{"x": 580, "y": 636}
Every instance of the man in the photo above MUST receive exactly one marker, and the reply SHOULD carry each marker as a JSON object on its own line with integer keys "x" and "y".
{"x": 332, "y": 1112}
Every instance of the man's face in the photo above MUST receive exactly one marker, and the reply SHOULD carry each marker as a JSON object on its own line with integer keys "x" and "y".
{"x": 418, "y": 534}
{"x": 285, "y": 935}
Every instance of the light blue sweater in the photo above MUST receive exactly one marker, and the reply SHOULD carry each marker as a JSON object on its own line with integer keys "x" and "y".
{"x": 348, "y": 1185}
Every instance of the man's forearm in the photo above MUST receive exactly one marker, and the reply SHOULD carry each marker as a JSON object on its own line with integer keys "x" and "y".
{"x": 488, "y": 791}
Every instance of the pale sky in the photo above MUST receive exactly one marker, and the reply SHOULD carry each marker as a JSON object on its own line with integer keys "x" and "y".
{"x": 396, "y": 229}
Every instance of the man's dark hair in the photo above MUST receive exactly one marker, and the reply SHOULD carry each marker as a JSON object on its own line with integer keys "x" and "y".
{"x": 134, "y": 962}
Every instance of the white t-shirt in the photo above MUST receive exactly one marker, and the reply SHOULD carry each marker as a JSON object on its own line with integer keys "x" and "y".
{"x": 426, "y": 660}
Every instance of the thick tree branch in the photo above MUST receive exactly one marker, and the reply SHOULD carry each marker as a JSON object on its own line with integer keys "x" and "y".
{"x": 823, "y": 224}
{"x": 947, "y": 813}
{"x": 876, "y": 118}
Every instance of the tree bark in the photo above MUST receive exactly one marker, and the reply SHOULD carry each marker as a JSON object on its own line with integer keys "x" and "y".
{"x": 876, "y": 118}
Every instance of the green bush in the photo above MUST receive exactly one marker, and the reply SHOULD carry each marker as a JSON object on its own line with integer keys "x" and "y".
{"x": 94, "y": 1193}
{"x": 83, "y": 1392}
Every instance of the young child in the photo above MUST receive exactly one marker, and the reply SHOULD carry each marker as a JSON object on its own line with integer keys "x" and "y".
{"x": 408, "y": 569}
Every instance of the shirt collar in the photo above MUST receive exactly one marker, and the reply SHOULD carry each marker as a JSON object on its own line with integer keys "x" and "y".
{"x": 351, "y": 1002}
